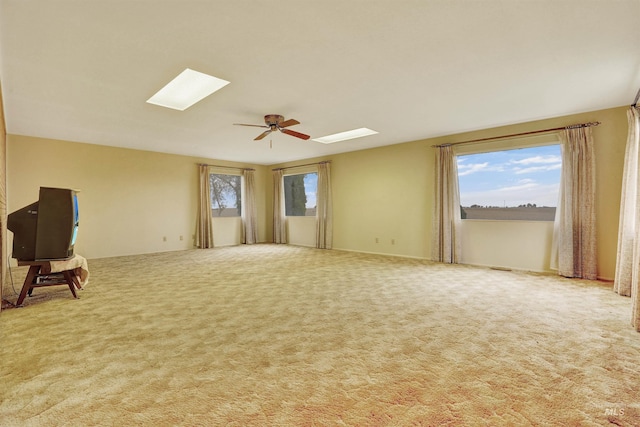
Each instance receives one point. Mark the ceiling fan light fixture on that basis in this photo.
(343, 136)
(186, 89)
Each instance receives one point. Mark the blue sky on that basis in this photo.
(311, 187)
(510, 178)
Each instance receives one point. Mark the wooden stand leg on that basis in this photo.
(76, 279)
(28, 282)
(68, 276)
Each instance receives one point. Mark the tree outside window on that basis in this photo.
(226, 195)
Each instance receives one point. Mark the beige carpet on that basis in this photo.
(270, 335)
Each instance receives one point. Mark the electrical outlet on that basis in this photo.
(377, 240)
(393, 241)
(181, 238)
(164, 238)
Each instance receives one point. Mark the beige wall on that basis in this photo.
(387, 194)
(383, 193)
(382, 200)
(518, 245)
(130, 200)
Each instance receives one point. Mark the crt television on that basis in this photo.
(46, 229)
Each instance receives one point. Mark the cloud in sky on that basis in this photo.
(471, 168)
(532, 169)
(538, 160)
(524, 184)
(526, 181)
(468, 169)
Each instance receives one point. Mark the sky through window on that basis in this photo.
(511, 178)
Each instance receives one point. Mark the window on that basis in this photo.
(300, 194)
(226, 195)
(517, 184)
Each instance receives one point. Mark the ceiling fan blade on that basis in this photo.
(288, 123)
(294, 133)
(256, 126)
(262, 135)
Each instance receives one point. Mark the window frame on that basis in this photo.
(300, 171)
(506, 145)
(237, 208)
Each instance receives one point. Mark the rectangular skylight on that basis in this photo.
(343, 136)
(186, 89)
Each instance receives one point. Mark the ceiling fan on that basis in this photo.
(275, 122)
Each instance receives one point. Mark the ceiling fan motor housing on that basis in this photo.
(273, 119)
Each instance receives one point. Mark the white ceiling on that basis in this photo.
(82, 70)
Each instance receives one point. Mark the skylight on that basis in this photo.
(186, 89)
(343, 136)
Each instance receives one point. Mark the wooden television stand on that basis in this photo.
(42, 270)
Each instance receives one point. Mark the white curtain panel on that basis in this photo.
(627, 231)
(324, 214)
(635, 274)
(627, 279)
(279, 220)
(204, 234)
(575, 226)
(3, 197)
(249, 209)
(446, 244)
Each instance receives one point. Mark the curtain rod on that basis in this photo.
(635, 101)
(299, 166)
(581, 125)
(226, 167)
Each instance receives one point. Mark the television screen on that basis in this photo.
(76, 219)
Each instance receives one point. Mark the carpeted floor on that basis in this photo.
(276, 335)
